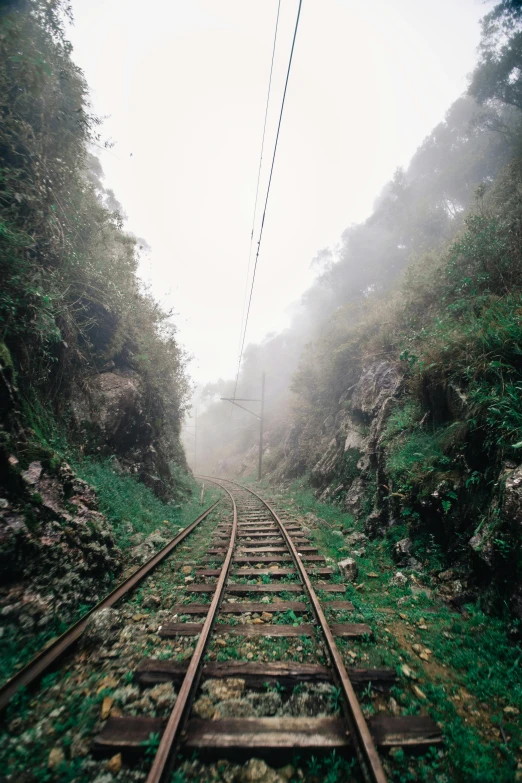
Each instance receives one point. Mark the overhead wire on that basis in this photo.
(269, 180)
(257, 189)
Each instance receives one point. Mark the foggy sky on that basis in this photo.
(182, 84)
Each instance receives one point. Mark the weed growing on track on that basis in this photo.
(471, 682)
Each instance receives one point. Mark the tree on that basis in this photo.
(498, 75)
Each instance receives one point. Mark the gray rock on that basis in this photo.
(127, 694)
(102, 628)
(355, 496)
(257, 771)
(33, 473)
(447, 576)
(483, 547)
(355, 538)
(235, 708)
(399, 579)
(151, 602)
(316, 701)
(402, 548)
(379, 381)
(266, 704)
(348, 568)
(374, 524)
(512, 501)
(163, 695)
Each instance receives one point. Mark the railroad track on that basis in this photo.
(259, 544)
(53, 651)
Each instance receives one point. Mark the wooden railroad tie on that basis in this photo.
(240, 608)
(270, 588)
(347, 630)
(322, 572)
(268, 734)
(255, 675)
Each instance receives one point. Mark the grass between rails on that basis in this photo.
(472, 680)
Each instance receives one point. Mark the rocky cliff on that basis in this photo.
(110, 416)
(448, 515)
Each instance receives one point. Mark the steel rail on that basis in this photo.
(44, 659)
(363, 740)
(164, 760)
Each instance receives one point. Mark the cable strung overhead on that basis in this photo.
(257, 190)
(271, 173)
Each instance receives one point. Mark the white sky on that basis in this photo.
(182, 84)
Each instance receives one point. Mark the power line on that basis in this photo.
(269, 181)
(257, 187)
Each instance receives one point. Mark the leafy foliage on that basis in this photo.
(70, 300)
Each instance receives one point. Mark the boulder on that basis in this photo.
(355, 539)
(151, 602)
(102, 628)
(348, 568)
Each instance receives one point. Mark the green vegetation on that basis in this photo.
(71, 305)
(472, 681)
(132, 507)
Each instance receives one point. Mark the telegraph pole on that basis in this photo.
(261, 420)
(196, 441)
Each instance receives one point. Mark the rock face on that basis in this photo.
(111, 409)
(351, 452)
(512, 506)
(57, 551)
(379, 381)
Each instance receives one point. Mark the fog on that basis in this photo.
(182, 89)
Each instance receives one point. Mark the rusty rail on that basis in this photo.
(364, 744)
(44, 659)
(164, 759)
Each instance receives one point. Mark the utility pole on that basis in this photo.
(196, 442)
(261, 420)
(195, 433)
(236, 401)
